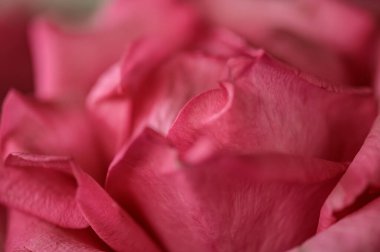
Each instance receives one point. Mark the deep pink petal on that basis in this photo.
(28, 233)
(229, 203)
(269, 107)
(44, 128)
(43, 188)
(359, 231)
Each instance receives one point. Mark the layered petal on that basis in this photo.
(263, 106)
(158, 93)
(45, 128)
(359, 231)
(43, 188)
(92, 204)
(229, 202)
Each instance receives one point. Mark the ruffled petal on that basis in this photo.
(227, 203)
(269, 107)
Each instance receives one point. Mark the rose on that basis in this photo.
(192, 141)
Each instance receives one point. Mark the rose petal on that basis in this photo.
(109, 221)
(43, 128)
(42, 188)
(229, 203)
(273, 108)
(357, 232)
(122, 113)
(105, 217)
(27, 233)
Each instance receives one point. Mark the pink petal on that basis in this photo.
(105, 217)
(123, 112)
(43, 188)
(109, 221)
(359, 231)
(44, 128)
(270, 107)
(27, 233)
(227, 203)
(332, 39)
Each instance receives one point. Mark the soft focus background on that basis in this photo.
(15, 15)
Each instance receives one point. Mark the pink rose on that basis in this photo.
(155, 127)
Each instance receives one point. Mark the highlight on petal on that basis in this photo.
(28, 233)
(358, 231)
(228, 202)
(92, 204)
(41, 187)
(269, 107)
(332, 39)
(45, 128)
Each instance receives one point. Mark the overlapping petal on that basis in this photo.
(141, 91)
(83, 200)
(264, 106)
(229, 202)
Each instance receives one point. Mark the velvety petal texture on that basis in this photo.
(225, 203)
(28, 233)
(263, 106)
(41, 187)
